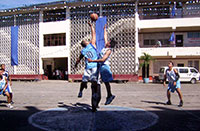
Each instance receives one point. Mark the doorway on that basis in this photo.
(179, 40)
(56, 68)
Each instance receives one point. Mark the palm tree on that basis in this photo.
(146, 61)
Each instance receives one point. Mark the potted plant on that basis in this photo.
(146, 58)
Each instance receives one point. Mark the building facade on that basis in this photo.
(49, 35)
(165, 19)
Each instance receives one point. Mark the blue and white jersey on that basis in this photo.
(103, 52)
(6, 74)
(171, 76)
(90, 52)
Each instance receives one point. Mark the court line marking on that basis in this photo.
(92, 123)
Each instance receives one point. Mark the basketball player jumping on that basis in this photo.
(90, 72)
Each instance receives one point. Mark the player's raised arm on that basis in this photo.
(105, 34)
(93, 40)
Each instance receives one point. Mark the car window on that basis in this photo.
(162, 70)
(193, 71)
(183, 70)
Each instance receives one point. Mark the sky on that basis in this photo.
(6, 4)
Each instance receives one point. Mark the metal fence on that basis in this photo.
(121, 27)
(28, 42)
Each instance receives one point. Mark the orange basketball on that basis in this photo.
(94, 16)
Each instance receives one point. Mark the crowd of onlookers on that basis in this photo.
(57, 74)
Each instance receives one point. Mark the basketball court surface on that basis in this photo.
(53, 105)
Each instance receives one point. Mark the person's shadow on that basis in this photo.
(154, 102)
(76, 107)
(3, 101)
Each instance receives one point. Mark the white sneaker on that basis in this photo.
(9, 106)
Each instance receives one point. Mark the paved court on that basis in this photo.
(53, 105)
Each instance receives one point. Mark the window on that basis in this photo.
(180, 65)
(193, 71)
(196, 64)
(183, 70)
(190, 63)
(152, 42)
(162, 70)
(54, 39)
(193, 34)
(146, 42)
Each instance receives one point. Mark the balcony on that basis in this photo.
(168, 9)
(169, 25)
(168, 52)
(157, 23)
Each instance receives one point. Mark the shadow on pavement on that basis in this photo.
(3, 101)
(176, 120)
(108, 119)
(76, 106)
(79, 117)
(154, 102)
(17, 120)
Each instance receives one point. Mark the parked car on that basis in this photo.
(187, 74)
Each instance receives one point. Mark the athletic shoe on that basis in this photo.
(12, 102)
(168, 102)
(9, 106)
(80, 94)
(109, 99)
(94, 109)
(180, 104)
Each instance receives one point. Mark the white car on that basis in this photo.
(187, 74)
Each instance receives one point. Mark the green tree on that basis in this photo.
(146, 58)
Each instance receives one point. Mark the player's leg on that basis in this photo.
(10, 92)
(106, 76)
(11, 97)
(99, 94)
(178, 90)
(85, 79)
(94, 98)
(9, 100)
(98, 87)
(108, 89)
(168, 97)
(96, 92)
(109, 97)
(82, 86)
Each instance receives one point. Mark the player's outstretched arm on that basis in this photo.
(78, 60)
(107, 54)
(164, 81)
(93, 40)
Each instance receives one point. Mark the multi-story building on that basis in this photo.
(160, 20)
(49, 35)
